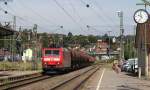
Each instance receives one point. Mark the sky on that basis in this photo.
(101, 15)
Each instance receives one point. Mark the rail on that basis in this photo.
(19, 81)
(85, 75)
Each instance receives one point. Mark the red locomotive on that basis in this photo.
(64, 59)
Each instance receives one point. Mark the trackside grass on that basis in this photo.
(20, 66)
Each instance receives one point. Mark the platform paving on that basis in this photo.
(107, 79)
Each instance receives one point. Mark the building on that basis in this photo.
(101, 46)
(142, 40)
(4, 31)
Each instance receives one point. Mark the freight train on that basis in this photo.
(62, 59)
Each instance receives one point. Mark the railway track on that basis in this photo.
(14, 82)
(75, 82)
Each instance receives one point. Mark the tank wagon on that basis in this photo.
(61, 59)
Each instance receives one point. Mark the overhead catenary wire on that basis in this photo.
(11, 14)
(36, 13)
(79, 20)
(75, 11)
(94, 11)
(9, 7)
(45, 20)
(108, 17)
(103, 11)
(26, 20)
(21, 18)
(14, 11)
(65, 11)
(102, 17)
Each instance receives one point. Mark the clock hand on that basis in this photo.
(140, 16)
(139, 20)
(140, 13)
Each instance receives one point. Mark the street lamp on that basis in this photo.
(109, 41)
(120, 15)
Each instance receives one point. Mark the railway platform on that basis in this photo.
(89, 78)
(107, 79)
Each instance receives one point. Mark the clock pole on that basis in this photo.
(145, 43)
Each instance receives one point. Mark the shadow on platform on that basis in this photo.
(125, 87)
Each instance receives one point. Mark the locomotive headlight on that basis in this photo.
(46, 59)
(56, 59)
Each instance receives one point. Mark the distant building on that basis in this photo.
(5, 31)
(27, 55)
(140, 45)
(101, 46)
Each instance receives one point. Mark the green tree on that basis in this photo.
(45, 40)
(70, 34)
(92, 39)
(129, 49)
(105, 38)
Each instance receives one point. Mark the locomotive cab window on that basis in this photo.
(51, 52)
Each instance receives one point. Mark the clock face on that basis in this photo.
(141, 16)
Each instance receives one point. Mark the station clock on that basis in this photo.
(141, 16)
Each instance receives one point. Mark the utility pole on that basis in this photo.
(14, 22)
(120, 14)
(14, 28)
(35, 57)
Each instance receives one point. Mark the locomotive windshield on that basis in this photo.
(51, 52)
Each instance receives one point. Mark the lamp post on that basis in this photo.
(120, 15)
(109, 42)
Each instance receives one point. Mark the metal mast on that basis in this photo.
(120, 14)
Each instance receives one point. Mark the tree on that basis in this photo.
(106, 38)
(82, 40)
(24, 35)
(70, 34)
(92, 39)
(45, 40)
(129, 49)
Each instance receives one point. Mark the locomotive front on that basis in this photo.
(51, 58)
